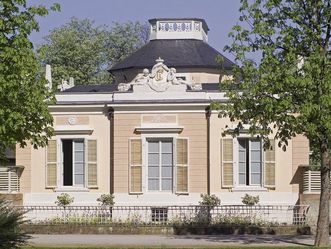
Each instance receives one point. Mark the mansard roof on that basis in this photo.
(178, 53)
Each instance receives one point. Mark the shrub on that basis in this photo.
(64, 200)
(250, 200)
(209, 200)
(11, 235)
(106, 200)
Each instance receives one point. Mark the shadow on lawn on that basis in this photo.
(301, 240)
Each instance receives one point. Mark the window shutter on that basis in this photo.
(51, 164)
(92, 166)
(227, 162)
(269, 166)
(135, 166)
(182, 165)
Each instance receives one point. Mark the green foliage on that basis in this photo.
(24, 98)
(126, 38)
(287, 92)
(276, 88)
(81, 50)
(106, 200)
(11, 235)
(209, 200)
(238, 220)
(64, 200)
(223, 220)
(79, 220)
(250, 200)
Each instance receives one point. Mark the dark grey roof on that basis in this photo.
(92, 88)
(178, 53)
(108, 88)
(210, 87)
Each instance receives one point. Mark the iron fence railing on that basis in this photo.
(167, 215)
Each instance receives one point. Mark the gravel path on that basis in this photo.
(170, 240)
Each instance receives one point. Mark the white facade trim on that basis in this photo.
(157, 112)
(75, 129)
(83, 97)
(66, 189)
(158, 129)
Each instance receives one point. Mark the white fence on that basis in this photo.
(312, 182)
(167, 215)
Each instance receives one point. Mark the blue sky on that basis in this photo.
(220, 15)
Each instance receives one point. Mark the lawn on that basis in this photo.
(159, 247)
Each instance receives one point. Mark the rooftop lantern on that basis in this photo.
(178, 28)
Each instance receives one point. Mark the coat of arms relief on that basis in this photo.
(159, 79)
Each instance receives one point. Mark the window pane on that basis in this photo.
(255, 167)
(79, 156)
(153, 159)
(256, 156)
(153, 171)
(166, 171)
(166, 147)
(242, 179)
(79, 179)
(153, 147)
(79, 145)
(242, 167)
(256, 178)
(79, 168)
(242, 144)
(153, 184)
(166, 184)
(255, 144)
(242, 156)
(167, 159)
(79, 162)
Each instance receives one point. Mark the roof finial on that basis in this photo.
(159, 60)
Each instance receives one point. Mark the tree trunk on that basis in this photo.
(322, 233)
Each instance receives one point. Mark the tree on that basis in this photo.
(24, 98)
(11, 234)
(81, 50)
(126, 38)
(290, 87)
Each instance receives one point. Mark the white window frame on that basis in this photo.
(249, 140)
(144, 141)
(160, 140)
(236, 185)
(60, 169)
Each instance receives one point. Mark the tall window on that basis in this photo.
(250, 161)
(160, 165)
(73, 162)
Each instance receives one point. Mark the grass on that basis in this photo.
(166, 247)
